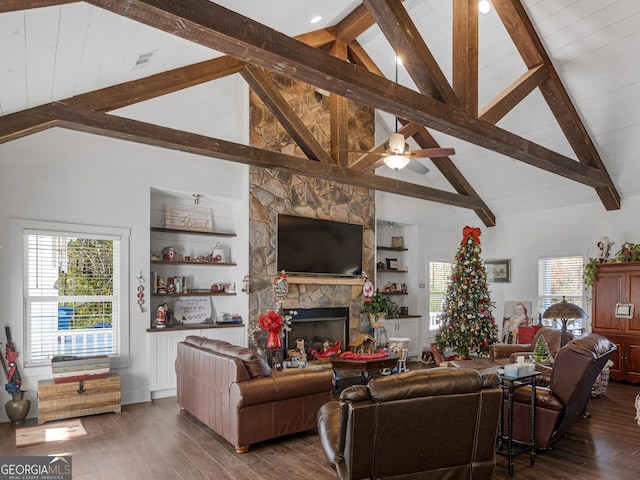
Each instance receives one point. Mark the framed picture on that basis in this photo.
(498, 271)
(397, 242)
(392, 263)
(624, 310)
(192, 310)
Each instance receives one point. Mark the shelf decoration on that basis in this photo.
(192, 310)
(196, 219)
(141, 291)
(624, 310)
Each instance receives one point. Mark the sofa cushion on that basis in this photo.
(254, 363)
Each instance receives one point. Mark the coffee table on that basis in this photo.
(365, 366)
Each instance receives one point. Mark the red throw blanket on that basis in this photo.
(364, 356)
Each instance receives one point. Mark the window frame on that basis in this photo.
(22, 228)
(433, 327)
(580, 325)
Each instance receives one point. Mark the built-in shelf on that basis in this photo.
(191, 232)
(382, 270)
(392, 249)
(394, 293)
(206, 294)
(177, 262)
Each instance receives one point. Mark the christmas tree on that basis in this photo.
(541, 352)
(467, 323)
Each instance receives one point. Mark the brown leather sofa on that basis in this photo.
(564, 391)
(434, 423)
(232, 390)
(503, 353)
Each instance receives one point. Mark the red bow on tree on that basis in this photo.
(470, 231)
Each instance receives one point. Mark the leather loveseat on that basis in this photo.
(233, 391)
(504, 353)
(563, 390)
(433, 424)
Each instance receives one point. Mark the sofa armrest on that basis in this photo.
(544, 398)
(281, 386)
(500, 352)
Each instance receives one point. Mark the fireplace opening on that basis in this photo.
(315, 325)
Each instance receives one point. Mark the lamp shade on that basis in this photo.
(564, 309)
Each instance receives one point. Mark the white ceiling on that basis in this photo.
(57, 52)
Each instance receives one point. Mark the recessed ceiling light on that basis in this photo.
(315, 19)
(484, 6)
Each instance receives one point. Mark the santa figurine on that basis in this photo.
(604, 245)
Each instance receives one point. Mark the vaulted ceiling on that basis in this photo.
(538, 99)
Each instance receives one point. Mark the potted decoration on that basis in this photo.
(378, 307)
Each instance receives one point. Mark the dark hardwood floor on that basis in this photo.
(155, 441)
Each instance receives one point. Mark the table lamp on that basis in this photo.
(564, 311)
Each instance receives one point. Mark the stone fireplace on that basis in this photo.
(281, 191)
(316, 325)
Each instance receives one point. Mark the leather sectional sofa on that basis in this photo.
(233, 391)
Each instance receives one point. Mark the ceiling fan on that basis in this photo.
(397, 154)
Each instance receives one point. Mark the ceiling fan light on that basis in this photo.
(396, 142)
(396, 161)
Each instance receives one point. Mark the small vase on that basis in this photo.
(17, 408)
(274, 340)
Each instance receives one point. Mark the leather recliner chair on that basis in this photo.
(562, 392)
(432, 423)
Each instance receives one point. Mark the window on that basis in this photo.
(73, 289)
(558, 277)
(439, 274)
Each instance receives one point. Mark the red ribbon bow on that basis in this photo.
(470, 231)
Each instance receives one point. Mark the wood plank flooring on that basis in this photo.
(155, 441)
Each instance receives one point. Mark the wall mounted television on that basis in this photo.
(318, 247)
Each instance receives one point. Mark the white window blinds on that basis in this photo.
(72, 295)
(560, 277)
(439, 275)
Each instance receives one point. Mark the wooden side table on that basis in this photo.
(508, 385)
(75, 399)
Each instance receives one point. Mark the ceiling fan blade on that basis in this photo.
(417, 167)
(365, 152)
(431, 152)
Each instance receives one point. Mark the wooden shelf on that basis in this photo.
(393, 293)
(209, 264)
(382, 270)
(207, 294)
(392, 249)
(191, 232)
(195, 326)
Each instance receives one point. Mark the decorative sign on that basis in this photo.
(195, 219)
(624, 310)
(192, 310)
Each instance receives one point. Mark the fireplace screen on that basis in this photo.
(315, 325)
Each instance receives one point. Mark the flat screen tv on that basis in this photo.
(319, 247)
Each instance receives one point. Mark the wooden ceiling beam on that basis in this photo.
(269, 93)
(354, 24)
(98, 123)
(358, 56)
(17, 5)
(21, 124)
(338, 113)
(406, 41)
(512, 95)
(216, 27)
(465, 54)
(454, 176)
(528, 43)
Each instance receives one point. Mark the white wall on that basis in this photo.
(64, 176)
(573, 230)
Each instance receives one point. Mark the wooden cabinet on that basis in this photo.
(619, 283)
(405, 327)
